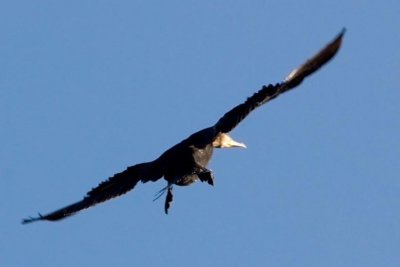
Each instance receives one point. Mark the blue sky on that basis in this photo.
(90, 87)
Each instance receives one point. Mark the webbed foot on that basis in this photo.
(206, 176)
(168, 199)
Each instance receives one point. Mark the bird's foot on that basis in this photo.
(206, 176)
(168, 199)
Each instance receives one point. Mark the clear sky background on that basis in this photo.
(88, 88)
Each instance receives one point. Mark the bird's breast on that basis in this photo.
(203, 156)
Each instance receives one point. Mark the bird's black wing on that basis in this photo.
(115, 186)
(233, 117)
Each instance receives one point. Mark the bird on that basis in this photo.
(186, 162)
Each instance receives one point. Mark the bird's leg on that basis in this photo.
(168, 199)
(205, 175)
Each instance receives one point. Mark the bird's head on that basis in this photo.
(225, 141)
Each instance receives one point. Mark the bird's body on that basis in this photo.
(186, 162)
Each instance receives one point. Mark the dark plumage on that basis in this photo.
(187, 161)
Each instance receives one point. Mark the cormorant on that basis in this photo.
(186, 162)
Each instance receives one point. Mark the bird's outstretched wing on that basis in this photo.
(115, 186)
(233, 117)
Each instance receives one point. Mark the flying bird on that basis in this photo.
(186, 162)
